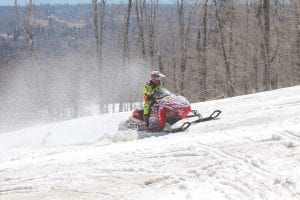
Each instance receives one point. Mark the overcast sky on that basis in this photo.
(22, 2)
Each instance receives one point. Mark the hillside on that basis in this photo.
(251, 152)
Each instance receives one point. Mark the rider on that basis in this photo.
(153, 85)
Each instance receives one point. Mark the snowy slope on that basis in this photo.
(251, 152)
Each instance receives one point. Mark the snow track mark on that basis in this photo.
(294, 136)
(246, 166)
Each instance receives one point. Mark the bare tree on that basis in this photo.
(202, 52)
(297, 15)
(263, 16)
(126, 56)
(173, 65)
(184, 34)
(140, 6)
(25, 23)
(251, 50)
(98, 22)
(151, 19)
(228, 82)
(125, 52)
(266, 33)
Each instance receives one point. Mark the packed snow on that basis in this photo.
(251, 152)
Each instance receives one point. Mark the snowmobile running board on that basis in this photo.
(186, 125)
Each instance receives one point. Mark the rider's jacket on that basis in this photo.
(149, 89)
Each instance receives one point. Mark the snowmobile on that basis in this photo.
(177, 113)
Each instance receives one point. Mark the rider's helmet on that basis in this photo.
(157, 76)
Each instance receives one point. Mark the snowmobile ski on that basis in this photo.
(186, 125)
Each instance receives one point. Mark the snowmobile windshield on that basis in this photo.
(161, 93)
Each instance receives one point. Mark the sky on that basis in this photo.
(11, 2)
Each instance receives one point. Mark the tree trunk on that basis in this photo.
(202, 54)
(126, 35)
(26, 24)
(174, 61)
(184, 31)
(140, 6)
(255, 65)
(298, 54)
(297, 15)
(125, 56)
(266, 33)
(160, 63)
(229, 88)
(232, 62)
(98, 31)
(151, 17)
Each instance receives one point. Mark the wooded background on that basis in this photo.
(59, 61)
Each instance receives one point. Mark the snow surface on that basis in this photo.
(251, 152)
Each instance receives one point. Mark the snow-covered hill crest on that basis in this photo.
(251, 152)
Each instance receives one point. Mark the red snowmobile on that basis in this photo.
(168, 109)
